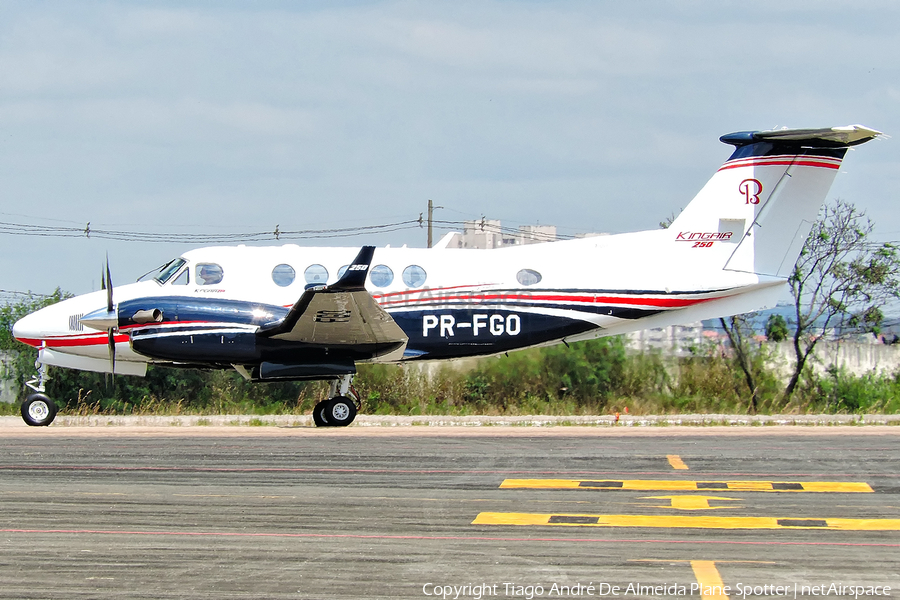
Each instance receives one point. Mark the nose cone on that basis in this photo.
(28, 330)
(101, 319)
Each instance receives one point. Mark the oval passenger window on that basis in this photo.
(316, 275)
(414, 276)
(528, 277)
(283, 275)
(381, 276)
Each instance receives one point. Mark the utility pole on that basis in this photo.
(430, 217)
(431, 208)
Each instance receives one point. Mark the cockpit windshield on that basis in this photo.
(165, 272)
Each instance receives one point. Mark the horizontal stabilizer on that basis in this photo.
(831, 137)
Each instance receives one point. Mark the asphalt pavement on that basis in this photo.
(424, 512)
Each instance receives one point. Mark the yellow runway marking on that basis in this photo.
(684, 521)
(676, 462)
(691, 502)
(711, 585)
(690, 486)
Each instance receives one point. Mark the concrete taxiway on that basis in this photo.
(296, 512)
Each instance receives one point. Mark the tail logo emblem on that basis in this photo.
(751, 189)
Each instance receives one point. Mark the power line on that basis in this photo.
(88, 231)
(17, 293)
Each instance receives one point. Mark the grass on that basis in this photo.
(595, 378)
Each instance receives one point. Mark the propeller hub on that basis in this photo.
(102, 319)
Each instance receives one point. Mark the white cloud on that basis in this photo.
(286, 111)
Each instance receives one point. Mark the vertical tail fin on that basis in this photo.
(764, 199)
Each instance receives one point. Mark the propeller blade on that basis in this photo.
(109, 287)
(112, 330)
(112, 353)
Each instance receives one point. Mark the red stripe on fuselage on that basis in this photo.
(63, 342)
(173, 323)
(655, 302)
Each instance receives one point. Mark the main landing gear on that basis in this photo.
(341, 407)
(38, 410)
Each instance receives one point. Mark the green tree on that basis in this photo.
(739, 330)
(841, 279)
(776, 328)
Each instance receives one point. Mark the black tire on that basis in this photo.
(320, 416)
(38, 410)
(340, 412)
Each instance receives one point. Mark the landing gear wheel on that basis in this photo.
(341, 411)
(38, 410)
(320, 413)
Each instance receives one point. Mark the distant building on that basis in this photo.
(483, 234)
(488, 233)
(675, 340)
(535, 234)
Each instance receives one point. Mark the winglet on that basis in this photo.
(354, 278)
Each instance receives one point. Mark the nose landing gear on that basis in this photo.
(38, 410)
(342, 406)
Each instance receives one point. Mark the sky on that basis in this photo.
(236, 117)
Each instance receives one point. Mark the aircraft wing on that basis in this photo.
(341, 316)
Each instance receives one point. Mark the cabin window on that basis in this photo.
(208, 274)
(283, 275)
(316, 275)
(342, 270)
(528, 277)
(381, 276)
(414, 276)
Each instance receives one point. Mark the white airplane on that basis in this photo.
(294, 313)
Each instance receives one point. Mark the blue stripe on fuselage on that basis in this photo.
(433, 333)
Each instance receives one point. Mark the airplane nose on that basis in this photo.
(27, 330)
(101, 319)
